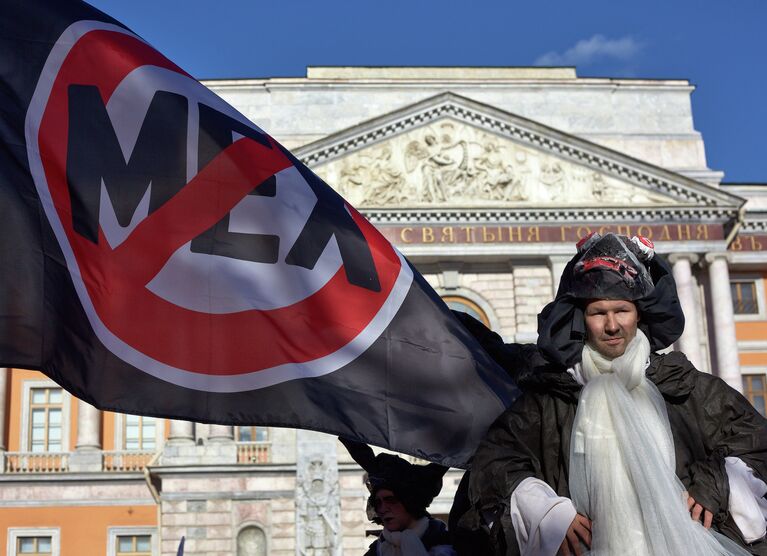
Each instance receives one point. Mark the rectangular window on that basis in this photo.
(744, 297)
(252, 434)
(253, 445)
(755, 389)
(139, 433)
(46, 426)
(133, 545)
(34, 546)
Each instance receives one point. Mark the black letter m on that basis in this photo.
(158, 159)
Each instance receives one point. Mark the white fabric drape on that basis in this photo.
(747, 504)
(622, 463)
(540, 517)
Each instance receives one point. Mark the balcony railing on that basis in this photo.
(35, 462)
(254, 452)
(126, 460)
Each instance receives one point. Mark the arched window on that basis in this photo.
(458, 303)
(251, 541)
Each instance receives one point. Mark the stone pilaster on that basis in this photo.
(557, 264)
(725, 339)
(689, 343)
(87, 455)
(318, 503)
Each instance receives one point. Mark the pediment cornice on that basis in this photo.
(667, 194)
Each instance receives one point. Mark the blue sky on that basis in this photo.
(719, 46)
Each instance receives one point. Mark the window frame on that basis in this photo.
(758, 281)
(114, 532)
(14, 533)
(237, 434)
(462, 300)
(754, 371)
(119, 436)
(25, 444)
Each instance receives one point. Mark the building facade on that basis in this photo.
(484, 178)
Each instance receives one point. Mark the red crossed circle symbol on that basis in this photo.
(143, 328)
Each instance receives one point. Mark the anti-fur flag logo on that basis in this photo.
(199, 270)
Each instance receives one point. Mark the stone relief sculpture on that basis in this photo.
(448, 163)
(317, 507)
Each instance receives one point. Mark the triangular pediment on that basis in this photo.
(452, 152)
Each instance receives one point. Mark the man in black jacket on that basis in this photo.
(613, 446)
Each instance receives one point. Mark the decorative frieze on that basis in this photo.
(453, 164)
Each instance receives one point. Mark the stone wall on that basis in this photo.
(209, 509)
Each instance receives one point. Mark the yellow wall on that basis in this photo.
(83, 529)
(753, 359)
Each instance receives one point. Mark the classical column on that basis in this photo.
(557, 265)
(87, 454)
(728, 364)
(221, 433)
(88, 427)
(3, 394)
(689, 342)
(181, 432)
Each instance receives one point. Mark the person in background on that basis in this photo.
(400, 493)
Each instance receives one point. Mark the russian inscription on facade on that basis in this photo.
(511, 234)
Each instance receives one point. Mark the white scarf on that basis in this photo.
(404, 543)
(622, 463)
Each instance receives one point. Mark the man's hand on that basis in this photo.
(579, 530)
(696, 511)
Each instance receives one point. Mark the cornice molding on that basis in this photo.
(556, 216)
(755, 222)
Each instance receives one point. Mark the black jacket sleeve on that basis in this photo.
(509, 453)
(731, 427)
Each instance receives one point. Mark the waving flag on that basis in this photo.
(164, 256)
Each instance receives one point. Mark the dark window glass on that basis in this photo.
(744, 301)
(754, 389)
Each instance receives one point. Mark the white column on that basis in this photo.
(88, 427)
(689, 342)
(728, 364)
(221, 433)
(557, 264)
(3, 394)
(181, 432)
(87, 455)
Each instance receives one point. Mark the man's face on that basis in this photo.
(391, 511)
(611, 325)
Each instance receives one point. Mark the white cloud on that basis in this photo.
(588, 50)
